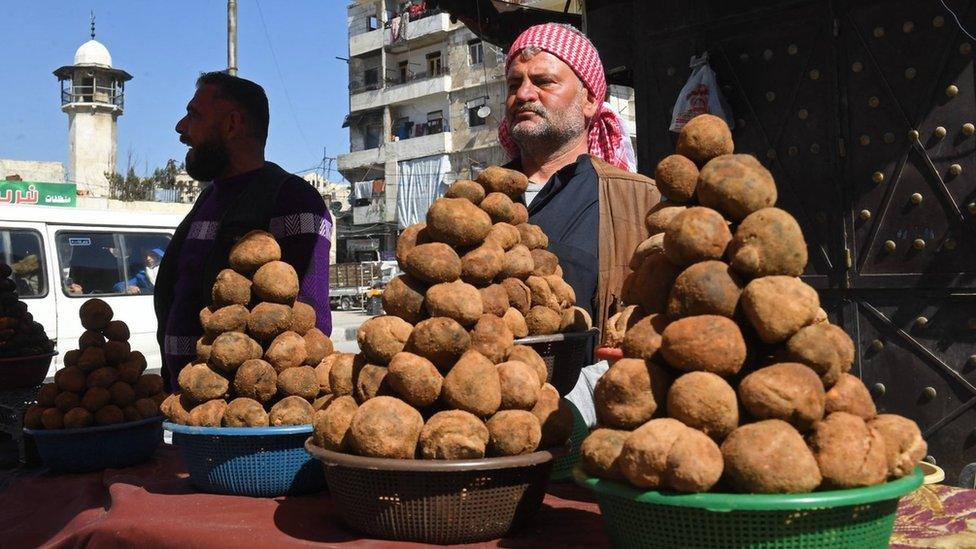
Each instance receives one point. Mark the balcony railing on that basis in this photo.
(93, 94)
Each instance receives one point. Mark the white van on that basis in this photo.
(63, 256)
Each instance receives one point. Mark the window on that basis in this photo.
(373, 23)
(22, 250)
(371, 78)
(402, 72)
(476, 52)
(373, 132)
(435, 122)
(473, 118)
(434, 63)
(96, 263)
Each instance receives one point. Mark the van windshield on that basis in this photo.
(107, 263)
(21, 249)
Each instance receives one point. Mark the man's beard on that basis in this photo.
(207, 160)
(552, 132)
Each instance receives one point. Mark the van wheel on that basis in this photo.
(345, 304)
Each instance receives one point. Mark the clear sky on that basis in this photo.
(164, 45)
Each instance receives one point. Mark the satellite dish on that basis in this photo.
(484, 111)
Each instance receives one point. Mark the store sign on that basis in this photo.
(367, 215)
(362, 245)
(38, 194)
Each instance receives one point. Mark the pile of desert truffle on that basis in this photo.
(20, 334)
(733, 377)
(102, 382)
(441, 377)
(256, 361)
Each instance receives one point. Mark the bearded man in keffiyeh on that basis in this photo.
(576, 153)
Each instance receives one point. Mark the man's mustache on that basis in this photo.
(531, 107)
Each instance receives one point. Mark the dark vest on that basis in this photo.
(251, 210)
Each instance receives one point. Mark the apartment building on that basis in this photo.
(425, 99)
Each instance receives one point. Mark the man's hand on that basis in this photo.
(132, 290)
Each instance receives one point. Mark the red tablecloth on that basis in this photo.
(154, 505)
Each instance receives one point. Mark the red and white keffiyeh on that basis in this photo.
(606, 138)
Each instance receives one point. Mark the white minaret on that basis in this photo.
(92, 95)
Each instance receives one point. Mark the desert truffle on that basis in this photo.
(200, 383)
(497, 179)
(825, 348)
(850, 395)
(317, 345)
(245, 412)
(231, 349)
(519, 295)
(116, 330)
(492, 338)
(256, 379)
(505, 235)
(292, 410)
(706, 402)
(703, 138)
(208, 414)
(788, 391)
(542, 320)
(78, 418)
(439, 340)
(95, 314)
(528, 355)
(277, 282)
(778, 306)
(331, 424)
(472, 385)
(555, 415)
(694, 463)
(411, 236)
(707, 343)
(500, 208)
(517, 262)
(465, 188)
(769, 457)
(298, 381)
(696, 234)
(109, 415)
(230, 318)
(904, 446)
(175, 407)
(481, 265)
(453, 434)
(381, 337)
(736, 185)
(516, 322)
(658, 218)
(519, 385)
(494, 300)
(369, 381)
(404, 297)
(532, 236)
(513, 432)
(629, 393)
(230, 288)
(457, 222)
(253, 250)
(768, 242)
(433, 263)
(600, 453)
(706, 288)
(676, 177)
(643, 339)
(455, 300)
(341, 373)
(849, 453)
(385, 427)
(286, 351)
(415, 379)
(644, 456)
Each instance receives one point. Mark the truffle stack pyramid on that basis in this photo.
(102, 382)
(255, 364)
(19, 334)
(733, 379)
(440, 376)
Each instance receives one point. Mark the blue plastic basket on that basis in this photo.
(249, 461)
(96, 448)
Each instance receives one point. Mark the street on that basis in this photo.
(344, 327)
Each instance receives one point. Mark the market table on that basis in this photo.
(154, 505)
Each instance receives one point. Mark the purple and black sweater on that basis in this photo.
(303, 227)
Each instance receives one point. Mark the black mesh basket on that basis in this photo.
(427, 501)
(565, 355)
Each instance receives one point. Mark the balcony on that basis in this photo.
(416, 147)
(366, 42)
(431, 27)
(416, 86)
(359, 159)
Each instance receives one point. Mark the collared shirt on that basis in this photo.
(300, 223)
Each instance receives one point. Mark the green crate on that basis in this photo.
(562, 467)
(856, 518)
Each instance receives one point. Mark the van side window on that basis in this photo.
(23, 251)
(94, 263)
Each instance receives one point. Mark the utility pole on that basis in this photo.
(232, 37)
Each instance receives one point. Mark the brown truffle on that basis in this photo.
(94, 399)
(541, 292)
(201, 383)
(703, 138)
(385, 427)
(850, 395)
(600, 453)
(494, 300)
(659, 218)
(904, 446)
(555, 416)
(696, 234)
(230, 288)
(256, 379)
(317, 345)
(91, 338)
(694, 463)
(176, 409)
(71, 357)
(707, 343)
(231, 349)
(277, 282)
(629, 393)
(244, 412)
(651, 284)
(481, 265)
(122, 394)
(204, 347)
(500, 208)
(292, 410)
(231, 318)
(676, 177)
(66, 401)
(95, 314)
(109, 415)
(521, 214)
(643, 339)
(381, 337)
(146, 408)
(433, 263)
(532, 236)
(331, 424)
(116, 352)
(778, 306)
(341, 374)
(492, 338)
(543, 321)
(102, 377)
(706, 288)
(505, 235)
(298, 381)
(769, 457)
(208, 414)
(91, 359)
(46, 395)
(573, 319)
(472, 385)
(302, 318)
(32, 416)
(369, 381)
(825, 348)
(253, 250)
(116, 330)
(528, 355)
(768, 242)
(440, 340)
(517, 263)
(52, 418)
(457, 222)
(736, 185)
(513, 433)
(467, 189)
(706, 402)
(788, 391)
(404, 298)
(456, 300)
(497, 179)
(267, 321)
(415, 379)
(410, 237)
(644, 456)
(453, 434)
(519, 385)
(652, 245)
(286, 351)
(849, 453)
(519, 295)
(78, 418)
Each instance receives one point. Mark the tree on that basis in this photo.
(131, 187)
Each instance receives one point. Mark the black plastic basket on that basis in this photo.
(565, 355)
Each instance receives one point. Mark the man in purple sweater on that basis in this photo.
(226, 127)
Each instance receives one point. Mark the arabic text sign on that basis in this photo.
(36, 193)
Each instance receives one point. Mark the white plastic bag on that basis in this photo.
(700, 95)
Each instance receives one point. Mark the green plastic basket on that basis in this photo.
(857, 518)
(562, 467)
